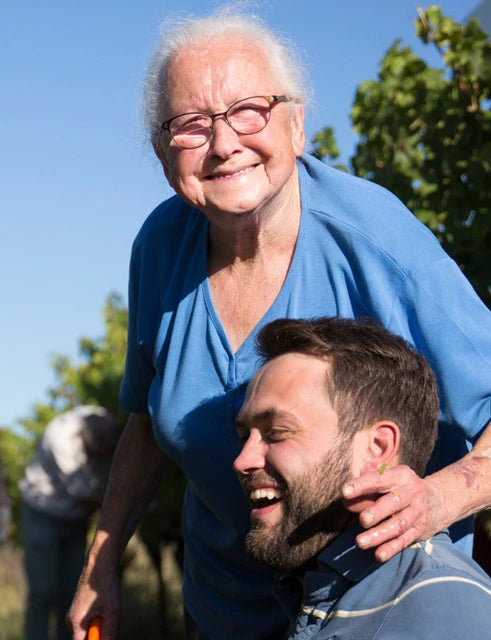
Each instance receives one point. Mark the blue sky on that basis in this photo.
(76, 179)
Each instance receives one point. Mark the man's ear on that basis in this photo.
(160, 153)
(381, 446)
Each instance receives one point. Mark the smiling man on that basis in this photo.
(336, 399)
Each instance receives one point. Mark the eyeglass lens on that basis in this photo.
(247, 116)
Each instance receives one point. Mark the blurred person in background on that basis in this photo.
(62, 487)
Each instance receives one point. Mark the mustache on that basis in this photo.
(251, 481)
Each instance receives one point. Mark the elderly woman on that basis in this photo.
(258, 231)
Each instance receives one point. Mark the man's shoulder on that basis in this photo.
(429, 585)
(444, 589)
(427, 569)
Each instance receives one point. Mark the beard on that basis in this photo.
(313, 515)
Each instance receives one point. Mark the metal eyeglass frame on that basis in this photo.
(272, 100)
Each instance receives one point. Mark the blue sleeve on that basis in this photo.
(139, 370)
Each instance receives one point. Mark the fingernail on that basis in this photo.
(347, 490)
(367, 517)
(382, 555)
(363, 541)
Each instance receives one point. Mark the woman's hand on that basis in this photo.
(396, 507)
(136, 473)
(97, 596)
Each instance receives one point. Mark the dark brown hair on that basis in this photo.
(375, 375)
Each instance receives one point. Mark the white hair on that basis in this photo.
(283, 57)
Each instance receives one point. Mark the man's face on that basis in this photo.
(232, 173)
(293, 463)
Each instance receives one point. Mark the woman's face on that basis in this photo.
(231, 174)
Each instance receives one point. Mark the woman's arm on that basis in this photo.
(408, 508)
(136, 473)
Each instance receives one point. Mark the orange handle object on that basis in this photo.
(95, 629)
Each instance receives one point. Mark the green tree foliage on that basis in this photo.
(97, 378)
(15, 452)
(424, 133)
(324, 146)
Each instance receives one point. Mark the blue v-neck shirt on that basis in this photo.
(359, 252)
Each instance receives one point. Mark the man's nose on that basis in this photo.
(253, 455)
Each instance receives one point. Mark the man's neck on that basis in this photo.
(313, 563)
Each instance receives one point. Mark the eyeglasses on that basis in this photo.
(247, 116)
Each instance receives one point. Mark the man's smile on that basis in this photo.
(262, 493)
(269, 494)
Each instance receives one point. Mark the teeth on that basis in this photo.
(270, 494)
(230, 175)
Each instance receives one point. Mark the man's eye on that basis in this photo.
(275, 435)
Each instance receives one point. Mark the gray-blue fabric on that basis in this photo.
(430, 590)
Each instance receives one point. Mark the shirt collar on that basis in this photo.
(346, 558)
(342, 558)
